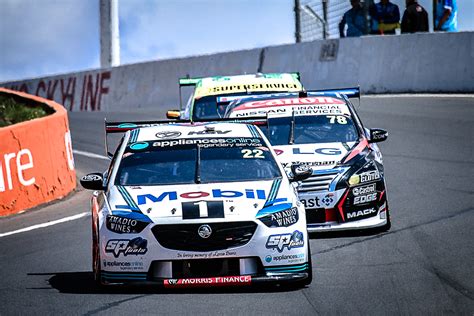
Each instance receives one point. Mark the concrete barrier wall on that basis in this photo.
(36, 161)
(440, 62)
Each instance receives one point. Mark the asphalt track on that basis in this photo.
(423, 265)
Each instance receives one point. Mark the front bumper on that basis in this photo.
(109, 278)
(332, 226)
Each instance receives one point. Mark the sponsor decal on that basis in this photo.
(204, 231)
(215, 193)
(200, 255)
(136, 246)
(209, 132)
(328, 199)
(123, 225)
(282, 218)
(167, 134)
(123, 265)
(366, 212)
(253, 87)
(309, 163)
(203, 209)
(369, 176)
(288, 241)
(139, 146)
(321, 151)
(278, 151)
(91, 177)
(227, 280)
(211, 142)
(365, 198)
(287, 258)
(22, 164)
(311, 202)
(364, 189)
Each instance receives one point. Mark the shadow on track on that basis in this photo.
(83, 283)
(347, 234)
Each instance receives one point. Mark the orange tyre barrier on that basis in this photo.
(36, 161)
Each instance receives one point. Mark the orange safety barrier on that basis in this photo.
(36, 160)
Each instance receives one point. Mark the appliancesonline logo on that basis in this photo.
(216, 193)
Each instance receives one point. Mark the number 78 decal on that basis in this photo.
(203, 209)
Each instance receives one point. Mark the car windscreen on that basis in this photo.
(310, 129)
(224, 160)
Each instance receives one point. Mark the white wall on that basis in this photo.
(442, 62)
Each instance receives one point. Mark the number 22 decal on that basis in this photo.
(252, 153)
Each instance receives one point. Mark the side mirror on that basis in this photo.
(173, 114)
(93, 181)
(377, 135)
(300, 172)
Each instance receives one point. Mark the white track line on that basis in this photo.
(58, 221)
(88, 154)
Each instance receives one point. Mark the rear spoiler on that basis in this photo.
(122, 127)
(348, 92)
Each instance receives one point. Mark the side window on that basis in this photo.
(112, 163)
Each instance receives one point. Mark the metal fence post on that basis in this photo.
(297, 21)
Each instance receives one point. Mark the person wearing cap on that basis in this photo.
(385, 17)
(415, 18)
(446, 19)
(355, 20)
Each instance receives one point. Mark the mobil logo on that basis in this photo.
(215, 193)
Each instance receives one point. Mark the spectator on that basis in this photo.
(446, 16)
(355, 20)
(385, 17)
(415, 18)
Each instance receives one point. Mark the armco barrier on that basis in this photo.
(36, 161)
(422, 62)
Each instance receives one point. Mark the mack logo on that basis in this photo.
(321, 151)
(361, 213)
(282, 241)
(209, 132)
(216, 193)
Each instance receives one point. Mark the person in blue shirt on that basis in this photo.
(446, 16)
(385, 17)
(355, 20)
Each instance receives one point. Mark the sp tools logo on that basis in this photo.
(136, 246)
(282, 241)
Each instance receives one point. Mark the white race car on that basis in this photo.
(188, 205)
(322, 130)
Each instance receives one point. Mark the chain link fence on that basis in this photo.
(319, 19)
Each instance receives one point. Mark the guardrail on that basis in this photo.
(36, 160)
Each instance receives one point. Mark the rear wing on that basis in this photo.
(348, 92)
(123, 127)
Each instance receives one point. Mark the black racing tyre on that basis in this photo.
(388, 225)
(96, 255)
(309, 279)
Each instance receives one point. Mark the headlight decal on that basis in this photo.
(358, 149)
